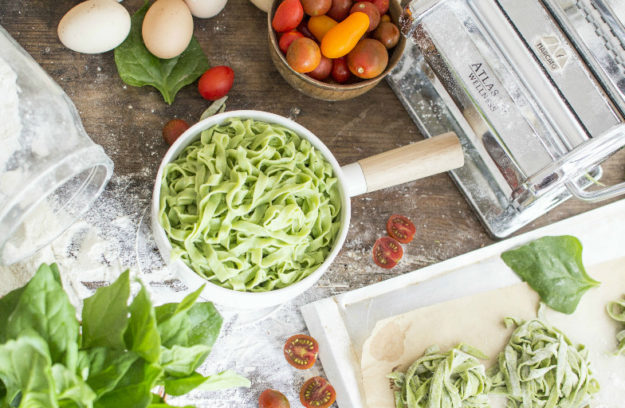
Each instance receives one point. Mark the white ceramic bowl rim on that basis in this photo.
(231, 297)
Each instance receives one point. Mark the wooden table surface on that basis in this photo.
(127, 122)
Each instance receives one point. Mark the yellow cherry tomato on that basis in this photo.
(344, 36)
(320, 25)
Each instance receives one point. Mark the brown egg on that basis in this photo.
(167, 28)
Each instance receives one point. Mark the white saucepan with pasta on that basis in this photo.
(255, 207)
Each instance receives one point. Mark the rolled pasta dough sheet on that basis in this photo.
(477, 320)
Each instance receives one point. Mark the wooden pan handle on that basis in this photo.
(430, 156)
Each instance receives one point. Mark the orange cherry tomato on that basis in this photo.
(303, 55)
(301, 351)
(317, 393)
(287, 38)
(344, 36)
(387, 252)
(320, 25)
(400, 228)
(368, 59)
(288, 16)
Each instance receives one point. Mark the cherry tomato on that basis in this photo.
(387, 34)
(368, 59)
(344, 36)
(370, 10)
(303, 28)
(381, 5)
(173, 129)
(340, 70)
(319, 26)
(317, 393)
(273, 399)
(400, 228)
(288, 16)
(387, 252)
(339, 9)
(316, 7)
(301, 351)
(303, 55)
(287, 38)
(386, 18)
(216, 82)
(323, 70)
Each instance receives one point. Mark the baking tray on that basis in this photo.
(342, 323)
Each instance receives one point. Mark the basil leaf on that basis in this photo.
(138, 67)
(107, 367)
(225, 379)
(134, 389)
(25, 370)
(105, 315)
(43, 306)
(142, 335)
(183, 361)
(553, 267)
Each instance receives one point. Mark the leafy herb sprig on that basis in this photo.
(115, 358)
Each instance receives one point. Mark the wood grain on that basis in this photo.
(127, 122)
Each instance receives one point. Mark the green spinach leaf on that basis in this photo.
(70, 389)
(105, 315)
(134, 389)
(45, 308)
(553, 267)
(107, 367)
(183, 361)
(225, 379)
(138, 67)
(142, 335)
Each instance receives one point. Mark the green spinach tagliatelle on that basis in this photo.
(616, 310)
(250, 206)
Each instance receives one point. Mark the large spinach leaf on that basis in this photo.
(138, 67)
(142, 335)
(181, 361)
(107, 367)
(553, 267)
(134, 389)
(225, 379)
(105, 315)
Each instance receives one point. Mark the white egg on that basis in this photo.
(94, 26)
(206, 8)
(264, 5)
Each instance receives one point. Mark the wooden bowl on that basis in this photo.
(330, 91)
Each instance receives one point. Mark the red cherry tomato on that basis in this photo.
(303, 55)
(303, 28)
(387, 33)
(370, 10)
(340, 70)
(387, 252)
(316, 7)
(317, 393)
(173, 129)
(216, 82)
(301, 351)
(288, 16)
(339, 9)
(287, 38)
(400, 228)
(381, 5)
(323, 70)
(273, 399)
(368, 59)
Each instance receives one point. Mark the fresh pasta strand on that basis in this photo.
(250, 206)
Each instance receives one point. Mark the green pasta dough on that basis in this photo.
(616, 310)
(250, 206)
(455, 379)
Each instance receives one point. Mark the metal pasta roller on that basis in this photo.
(535, 89)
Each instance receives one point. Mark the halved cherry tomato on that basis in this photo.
(273, 399)
(323, 69)
(288, 16)
(400, 228)
(287, 38)
(370, 10)
(344, 36)
(387, 252)
(317, 393)
(173, 129)
(303, 55)
(216, 82)
(340, 70)
(368, 59)
(339, 9)
(320, 25)
(316, 7)
(301, 351)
